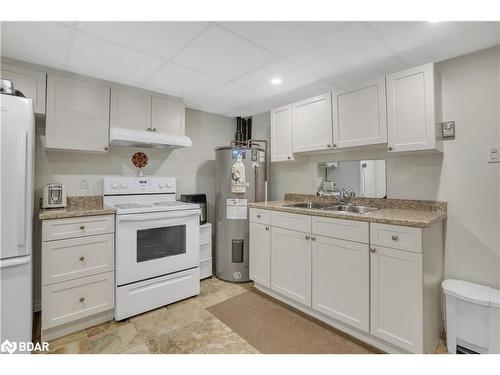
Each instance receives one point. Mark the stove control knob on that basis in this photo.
(124, 186)
(114, 186)
(161, 186)
(169, 185)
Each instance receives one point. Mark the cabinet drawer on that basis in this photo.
(301, 223)
(76, 257)
(260, 216)
(206, 251)
(59, 229)
(342, 229)
(396, 237)
(76, 299)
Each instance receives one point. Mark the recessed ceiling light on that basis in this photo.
(276, 81)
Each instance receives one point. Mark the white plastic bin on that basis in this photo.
(472, 317)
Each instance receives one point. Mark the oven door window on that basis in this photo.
(162, 242)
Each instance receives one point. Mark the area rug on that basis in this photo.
(275, 328)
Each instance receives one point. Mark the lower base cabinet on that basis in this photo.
(260, 254)
(340, 280)
(291, 264)
(396, 297)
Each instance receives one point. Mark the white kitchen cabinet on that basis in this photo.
(414, 109)
(340, 280)
(130, 109)
(291, 264)
(77, 115)
(30, 82)
(312, 124)
(168, 115)
(281, 134)
(260, 254)
(359, 115)
(396, 297)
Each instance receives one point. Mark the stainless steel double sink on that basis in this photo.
(333, 207)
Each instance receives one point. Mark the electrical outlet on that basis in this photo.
(494, 154)
(84, 183)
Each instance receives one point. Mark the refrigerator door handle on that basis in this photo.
(22, 194)
(12, 262)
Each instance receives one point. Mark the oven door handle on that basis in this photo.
(157, 216)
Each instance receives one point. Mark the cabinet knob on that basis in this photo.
(267, 228)
(82, 299)
(154, 129)
(258, 216)
(395, 238)
(82, 227)
(81, 259)
(289, 157)
(328, 145)
(106, 148)
(372, 249)
(334, 145)
(313, 238)
(308, 237)
(389, 148)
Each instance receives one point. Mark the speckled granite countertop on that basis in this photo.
(413, 213)
(78, 207)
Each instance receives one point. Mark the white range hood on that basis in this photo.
(147, 139)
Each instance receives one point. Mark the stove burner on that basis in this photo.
(125, 206)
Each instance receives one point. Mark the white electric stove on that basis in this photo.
(157, 243)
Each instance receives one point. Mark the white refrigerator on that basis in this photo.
(16, 220)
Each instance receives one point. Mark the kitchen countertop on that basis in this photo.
(78, 207)
(413, 214)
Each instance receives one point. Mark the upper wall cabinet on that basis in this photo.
(168, 115)
(359, 115)
(312, 124)
(414, 109)
(77, 115)
(130, 109)
(281, 133)
(31, 83)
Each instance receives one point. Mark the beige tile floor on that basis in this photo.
(182, 327)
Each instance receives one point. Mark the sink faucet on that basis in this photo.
(341, 195)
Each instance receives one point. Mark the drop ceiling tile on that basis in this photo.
(264, 105)
(45, 43)
(404, 36)
(367, 72)
(313, 89)
(484, 36)
(209, 105)
(161, 39)
(292, 76)
(234, 95)
(183, 80)
(353, 45)
(280, 37)
(220, 53)
(107, 60)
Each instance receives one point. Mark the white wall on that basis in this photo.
(460, 176)
(193, 167)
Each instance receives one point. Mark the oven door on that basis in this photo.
(155, 244)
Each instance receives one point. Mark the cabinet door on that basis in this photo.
(411, 117)
(396, 297)
(281, 133)
(312, 124)
(340, 280)
(30, 82)
(359, 115)
(291, 264)
(130, 110)
(168, 116)
(260, 254)
(77, 115)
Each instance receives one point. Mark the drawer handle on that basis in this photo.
(313, 238)
(258, 216)
(395, 238)
(82, 227)
(82, 299)
(267, 228)
(308, 237)
(372, 249)
(81, 259)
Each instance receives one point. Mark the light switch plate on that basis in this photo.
(448, 130)
(84, 183)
